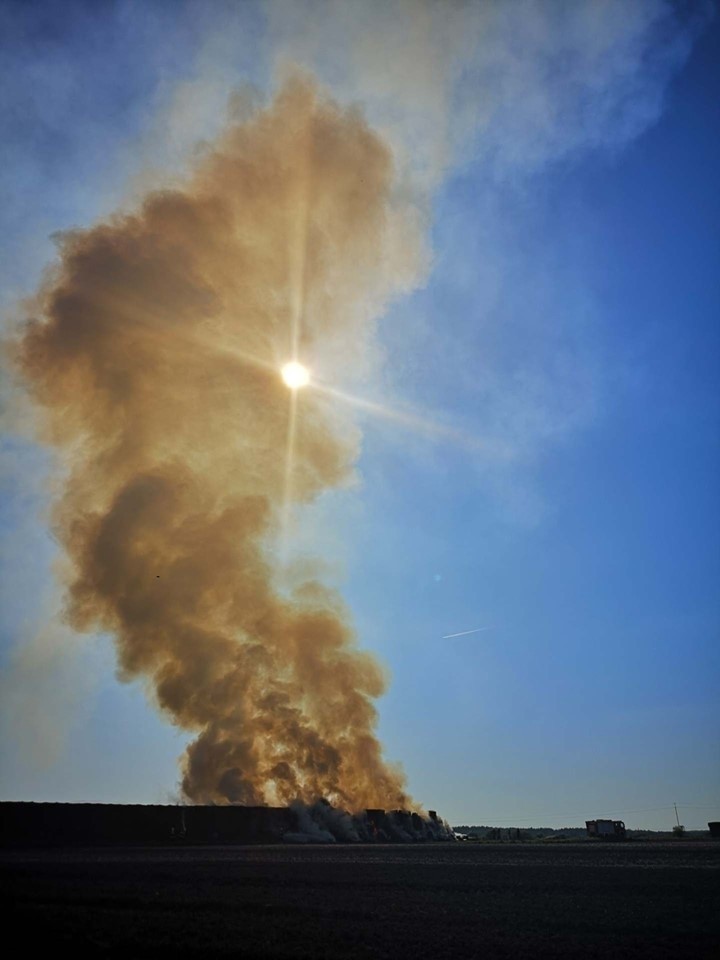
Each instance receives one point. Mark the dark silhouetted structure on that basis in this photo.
(77, 824)
(606, 829)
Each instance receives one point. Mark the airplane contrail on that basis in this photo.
(464, 633)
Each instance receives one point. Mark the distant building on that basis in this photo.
(606, 829)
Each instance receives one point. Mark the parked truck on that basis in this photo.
(606, 829)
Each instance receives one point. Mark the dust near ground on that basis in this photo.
(635, 900)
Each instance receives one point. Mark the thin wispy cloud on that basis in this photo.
(465, 633)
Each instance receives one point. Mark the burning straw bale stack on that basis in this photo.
(72, 824)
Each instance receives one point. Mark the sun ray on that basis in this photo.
(293, 373)
(419, 424)
(288, 479)
(153, 327)
(299, 204)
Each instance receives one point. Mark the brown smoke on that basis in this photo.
(155, 362)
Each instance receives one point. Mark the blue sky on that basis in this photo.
(565, 166)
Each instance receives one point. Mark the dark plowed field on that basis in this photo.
(649, 900)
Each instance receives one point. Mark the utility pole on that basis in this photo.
(679, 830)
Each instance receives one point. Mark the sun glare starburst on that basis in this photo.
(295, 375)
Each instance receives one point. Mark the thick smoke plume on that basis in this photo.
(154, 358)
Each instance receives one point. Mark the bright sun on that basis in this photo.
(295, 375)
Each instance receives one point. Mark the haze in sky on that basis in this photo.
(474, 561)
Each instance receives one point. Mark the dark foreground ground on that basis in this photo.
(634, 900)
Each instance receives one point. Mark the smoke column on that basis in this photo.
(154, 362)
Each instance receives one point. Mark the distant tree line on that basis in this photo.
(483, 832)
(518, 833)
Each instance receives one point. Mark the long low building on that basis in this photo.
(58, 824)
